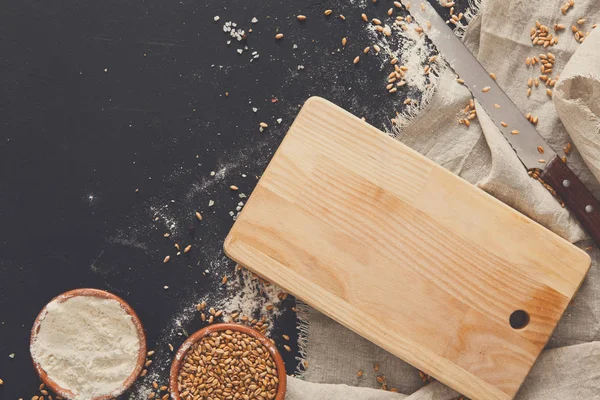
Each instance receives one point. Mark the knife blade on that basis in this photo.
(518, 131)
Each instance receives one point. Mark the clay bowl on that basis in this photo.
(67, 394)
(180, 356)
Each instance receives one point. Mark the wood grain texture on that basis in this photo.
(575, 195)
(406, 254)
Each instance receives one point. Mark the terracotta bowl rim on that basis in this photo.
(181, 352)
(65, 393)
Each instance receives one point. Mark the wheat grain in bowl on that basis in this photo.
(228, 361)
(88, 344)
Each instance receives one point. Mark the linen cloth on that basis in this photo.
(498, 36)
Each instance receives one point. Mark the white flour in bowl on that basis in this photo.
(87, 345)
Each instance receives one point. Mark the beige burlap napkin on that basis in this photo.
(499, 37)
(564, 373)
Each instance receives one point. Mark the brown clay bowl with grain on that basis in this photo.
(141, 360)
(181, 353)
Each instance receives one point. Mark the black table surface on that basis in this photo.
(102, 98)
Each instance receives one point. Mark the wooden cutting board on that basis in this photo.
(406, 254)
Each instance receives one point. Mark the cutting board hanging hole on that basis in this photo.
(519, 319)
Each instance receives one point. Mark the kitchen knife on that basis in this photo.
(531, 148)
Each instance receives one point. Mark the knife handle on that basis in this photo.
(575, 195)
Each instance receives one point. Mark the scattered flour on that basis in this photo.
(412, 50)
(413, 55)
(250, 296)
(162, 213)
(87, 345)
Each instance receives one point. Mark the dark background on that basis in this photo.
(102, 98)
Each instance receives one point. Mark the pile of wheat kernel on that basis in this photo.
(228, 365)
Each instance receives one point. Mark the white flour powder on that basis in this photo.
(87, 345)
